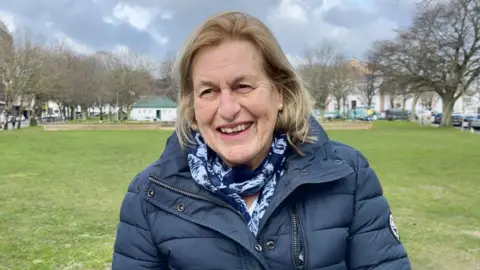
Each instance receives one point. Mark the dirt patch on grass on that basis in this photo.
(437, 192)
(475, 233)
(347, 125)
(64, 127)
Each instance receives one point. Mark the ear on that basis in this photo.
(194, 124)
(280, 99)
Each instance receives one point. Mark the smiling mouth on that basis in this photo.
(234, 130)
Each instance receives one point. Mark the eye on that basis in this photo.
(206, 92)
(243, 86)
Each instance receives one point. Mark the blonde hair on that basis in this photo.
(228, 26)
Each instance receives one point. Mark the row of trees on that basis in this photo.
(437, 56)
(33, 73)
(331, 77)
(439, 53)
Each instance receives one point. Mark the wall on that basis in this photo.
(146, 114)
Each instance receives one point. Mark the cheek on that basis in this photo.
(203, 112)
(265, 112)
(265, 106)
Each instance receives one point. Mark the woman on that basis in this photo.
(250, 180)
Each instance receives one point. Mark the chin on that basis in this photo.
(237, 156)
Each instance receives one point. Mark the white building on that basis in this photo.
(381, 102)
(156, 108)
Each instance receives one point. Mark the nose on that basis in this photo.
(228, 108)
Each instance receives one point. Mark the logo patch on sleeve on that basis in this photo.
(393, 228)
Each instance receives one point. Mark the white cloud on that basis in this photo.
(160, 39)
(295, 60)
(136, 16)
(120, 49)
(72, 44)
(290, 10)
(140, 18)
(8, 19)
(109, 20)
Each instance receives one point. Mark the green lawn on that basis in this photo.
(61, 192)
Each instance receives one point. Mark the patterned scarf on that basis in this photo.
(231, 184)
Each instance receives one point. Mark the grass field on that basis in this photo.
(61, 192)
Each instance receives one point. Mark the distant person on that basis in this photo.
(250, 180)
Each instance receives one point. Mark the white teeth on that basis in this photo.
(238, 128)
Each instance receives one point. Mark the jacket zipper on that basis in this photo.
(298, 241)
(195, 196)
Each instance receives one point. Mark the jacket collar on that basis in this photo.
(173, 161)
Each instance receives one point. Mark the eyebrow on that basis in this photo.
(237, 79)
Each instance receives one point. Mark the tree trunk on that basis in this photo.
(20, 114)
(369, 101)
(84, 112)
(73, 112)
(64, 112)
(322, 113)
(36, 111)
(416, 97)
(392, 102)
(448, 101)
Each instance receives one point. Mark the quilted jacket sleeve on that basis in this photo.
(134, 247)
(374, 242)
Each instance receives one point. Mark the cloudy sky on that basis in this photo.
(158, 27)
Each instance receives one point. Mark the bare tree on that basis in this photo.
(129, 80)
(105, 94)
(20, 74)
(167, 85)
(61, 91)
(428, 99)
(439, 51)
(85, 83)
(369, 80)
(316, 71)
(343, 80)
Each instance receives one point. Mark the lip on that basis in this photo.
(236, 138)
(234, 125)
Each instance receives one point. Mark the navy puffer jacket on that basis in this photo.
(328, 213)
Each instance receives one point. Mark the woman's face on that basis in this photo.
(236, 105)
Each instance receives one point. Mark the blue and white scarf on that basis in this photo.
(231, 184)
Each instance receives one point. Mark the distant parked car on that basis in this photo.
(475, 123)
(396, 114)
(333, 115)
(437, 118)
(467, 119)
(457, 120)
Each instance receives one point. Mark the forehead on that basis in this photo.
(226, 60)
